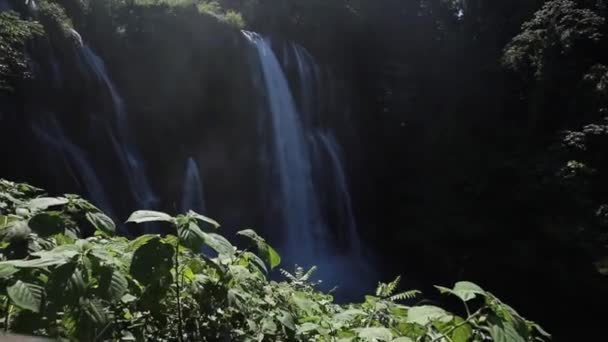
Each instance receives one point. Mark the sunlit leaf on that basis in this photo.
(142, 216)
(375, 334)
(101, 222)
(426, 314)
(44, 203)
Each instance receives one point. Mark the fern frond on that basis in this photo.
(392, 286)
(308, 274)
(288, 275)
(380, 289)
(404, 295)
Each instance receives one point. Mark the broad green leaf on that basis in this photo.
(128, 298)
(287, 320)
(94, 310)
(251, 234)
(464, 290)
(205, 219)
(5, 220)
(15, 230)
(57, 256)
(25, 295)
(152, 261)
(502, 331)
(269, 326)
(304, 303)
(191, 235)
(142, 240)
(118, 285)
(112, 283)
(307, 327)
(348, 315)
(463, 333)
(274, 259)
(375, 334)
(426, 314)
(142, 216)
(266, 252)
(219, 243)
(101, 222)
(66, 284)
(7, 270)
(44, 203)
(47, 223)
(402, 339)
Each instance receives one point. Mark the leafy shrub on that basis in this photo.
(234, 18)
(55, 281)
(14, 33)
(555, 31)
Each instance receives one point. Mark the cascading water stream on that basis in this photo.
(52, 135)
(132, 165)
(192, 191)
(302, 152)
(330, 146)
(292, 159)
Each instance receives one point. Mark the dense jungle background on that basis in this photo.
(448, 139)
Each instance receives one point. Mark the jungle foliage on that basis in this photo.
(65, 273)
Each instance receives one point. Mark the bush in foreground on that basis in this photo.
(55, 281)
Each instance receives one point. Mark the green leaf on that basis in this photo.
(251, 234)
(15, 231)
(47, 224)
(348, 315)
(426, 314)
(57, 256)
(101, 222)
(7, 270)
(375, 334)
(152, 261)
(112, 283)
(128, 298)
(25, 295)
(93, 309)
(502, 331)
(266, 252)
(464, 290)
(219, 243)
(138, 242)
(402, 339)
(463, 333)
(205, 219)
(287, 320)
(274, 259)
(307, 327)
(142, 216)
(44, 203)
(65, 284)
(191, 235)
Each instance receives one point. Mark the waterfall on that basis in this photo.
(330, 147)
(52, 135)
(130, 162)
(302, 153)
(291, 159)
(192, 191)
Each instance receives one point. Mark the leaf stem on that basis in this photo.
(449, 331)
(178, 290)
(8, 315)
